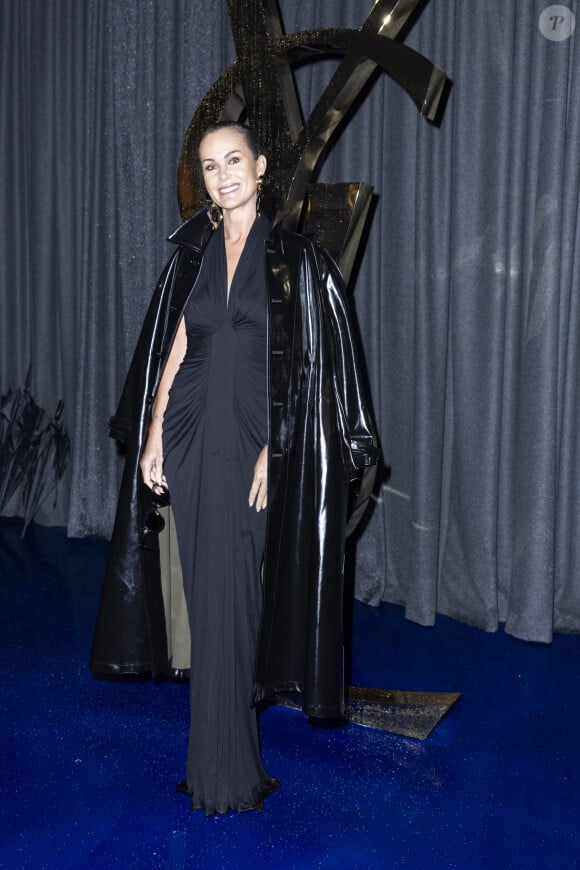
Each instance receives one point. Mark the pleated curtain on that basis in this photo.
(465, 293)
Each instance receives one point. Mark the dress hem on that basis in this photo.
(255, 801)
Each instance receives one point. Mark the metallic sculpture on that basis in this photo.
(259, 87)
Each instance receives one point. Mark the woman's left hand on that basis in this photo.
(259, 488)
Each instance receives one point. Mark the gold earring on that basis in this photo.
(259, 194)
(214, 214)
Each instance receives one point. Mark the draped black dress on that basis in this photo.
(214, 427)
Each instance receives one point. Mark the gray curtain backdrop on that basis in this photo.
(466, 296)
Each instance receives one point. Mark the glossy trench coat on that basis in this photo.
(320, 437)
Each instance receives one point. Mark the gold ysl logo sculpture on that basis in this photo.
(259, 85)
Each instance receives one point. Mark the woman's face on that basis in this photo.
(229, 169)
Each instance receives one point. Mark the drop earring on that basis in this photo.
(214, 213)
(259, 194)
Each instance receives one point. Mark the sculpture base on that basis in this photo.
(410, 714)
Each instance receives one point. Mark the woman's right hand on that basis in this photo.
(152, 459)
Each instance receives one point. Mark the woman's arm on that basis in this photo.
(152, 456)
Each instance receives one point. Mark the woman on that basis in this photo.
(257, 425)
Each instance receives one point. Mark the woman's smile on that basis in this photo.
(231, 172)
(229, 188)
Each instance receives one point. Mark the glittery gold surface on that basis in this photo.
(411, 714)
(259, 87)
(334, 216)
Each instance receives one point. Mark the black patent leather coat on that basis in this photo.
(320, 437)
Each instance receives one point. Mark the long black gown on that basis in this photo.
(215, 426)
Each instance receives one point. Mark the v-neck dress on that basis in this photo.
(214, 428)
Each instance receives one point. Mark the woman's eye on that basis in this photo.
(234, 160)
(209, 166)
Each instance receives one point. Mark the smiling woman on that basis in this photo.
(208, 434)
(257, 424)
(232, 175)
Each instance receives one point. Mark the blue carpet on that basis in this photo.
(89, 766)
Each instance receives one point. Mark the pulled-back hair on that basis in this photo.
(249, 134)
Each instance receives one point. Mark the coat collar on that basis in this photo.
(196, 231)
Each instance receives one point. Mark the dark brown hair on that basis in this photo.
(249, 134)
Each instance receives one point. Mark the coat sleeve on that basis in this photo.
(358, 436)
(143, 371)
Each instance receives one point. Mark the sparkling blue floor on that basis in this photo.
(89, 766)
